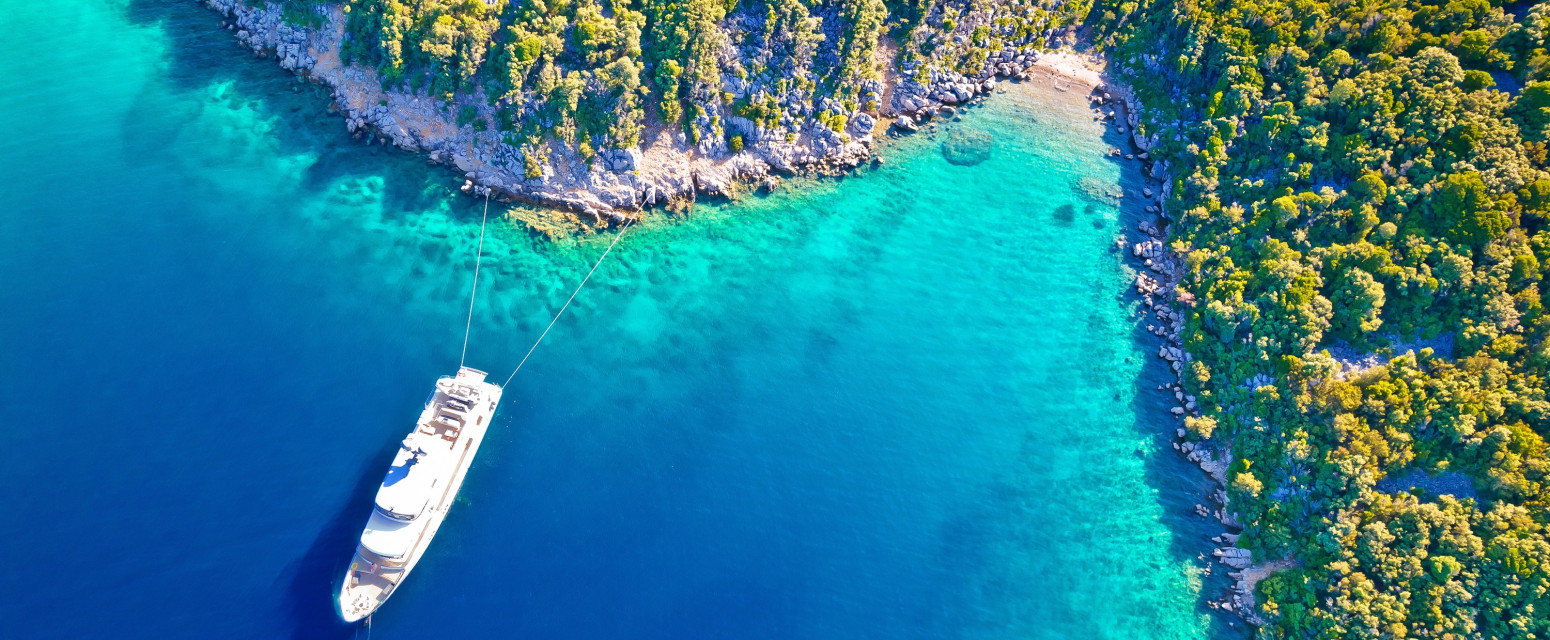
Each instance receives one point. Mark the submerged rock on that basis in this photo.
(1065, 214)
(1095, 190)
(967, 147)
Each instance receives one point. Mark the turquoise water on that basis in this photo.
(908, 404)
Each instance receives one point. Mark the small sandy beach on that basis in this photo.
(1067, 70)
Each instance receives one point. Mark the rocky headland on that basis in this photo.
(808, 133)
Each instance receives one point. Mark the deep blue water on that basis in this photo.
(907, 404)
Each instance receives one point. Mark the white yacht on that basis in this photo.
(418, 490)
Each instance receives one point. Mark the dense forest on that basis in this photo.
(586, 73)
(1359, 192)
(1364, 177)
(590, 75)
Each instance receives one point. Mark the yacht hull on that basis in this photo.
(418, 491)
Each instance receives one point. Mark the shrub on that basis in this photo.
(1201, 427)
(532, 166)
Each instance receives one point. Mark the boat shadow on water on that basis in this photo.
(311, 583)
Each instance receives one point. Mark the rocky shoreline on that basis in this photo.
(665, 170)
(1158, 271)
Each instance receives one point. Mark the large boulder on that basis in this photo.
(1235, 557)
(712, 181)
(862, 123)
(621, 160)
(744, 127)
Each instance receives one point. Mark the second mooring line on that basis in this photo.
(567, 302)
(474, 291)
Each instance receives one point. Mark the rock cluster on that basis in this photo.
(266, 32)
(1121, 95)
(1235, 557)
(1240, 598)
(1156, 284)
(915, 102)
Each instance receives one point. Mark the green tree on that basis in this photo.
(1466, 212)
(1532, 110)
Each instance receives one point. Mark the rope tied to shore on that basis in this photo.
(557, 315)
(473, 291)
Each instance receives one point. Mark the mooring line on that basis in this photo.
(474, 291)
(567, 302)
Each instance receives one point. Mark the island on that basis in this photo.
(1343, 250)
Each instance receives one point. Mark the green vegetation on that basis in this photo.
(584, 73)
(685, 42)
(863, 21)
(567, 70)
(1349, 172)
(960, 36)
(436, 44)
(302, 12)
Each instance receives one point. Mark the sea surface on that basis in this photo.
(911, 403)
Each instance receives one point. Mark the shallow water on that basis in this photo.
(911, 403)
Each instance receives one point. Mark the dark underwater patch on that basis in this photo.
(967, 147)
(1065, 214)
